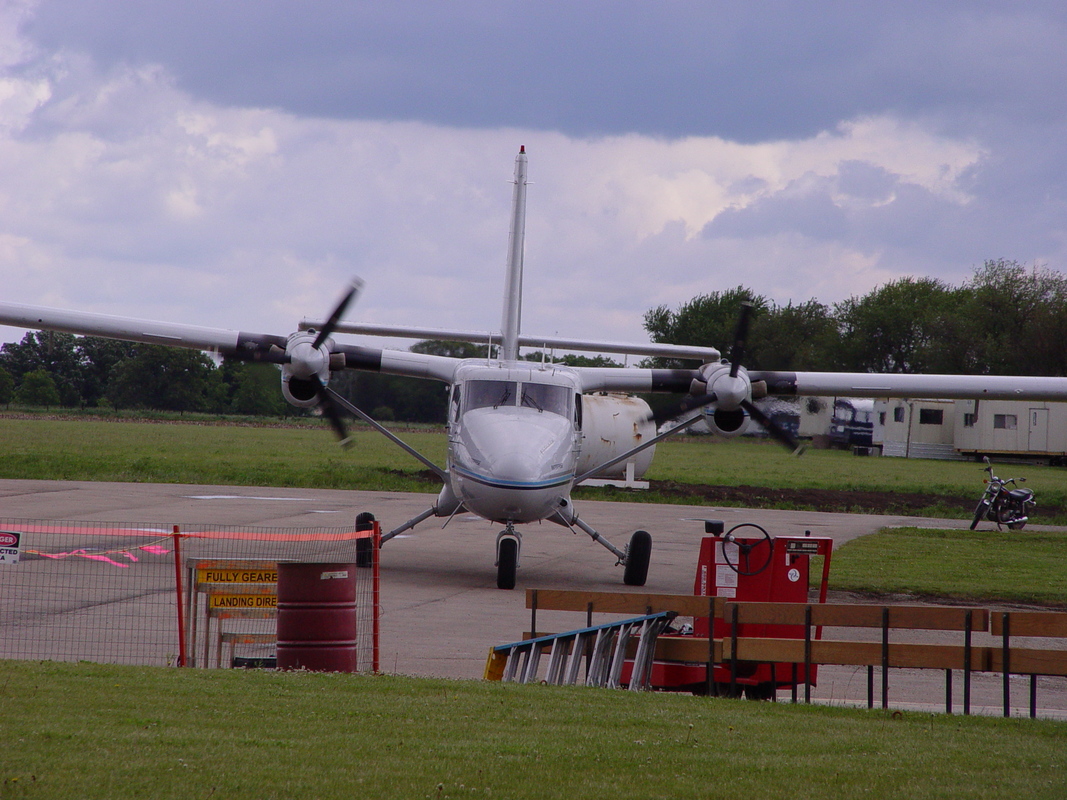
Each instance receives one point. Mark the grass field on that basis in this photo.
(91, 731)
(977, 566)
(307, 456)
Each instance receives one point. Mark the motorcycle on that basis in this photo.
(1002, 502)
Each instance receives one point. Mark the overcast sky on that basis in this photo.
(233, 164)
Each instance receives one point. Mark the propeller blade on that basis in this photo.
(685, 406)
(338, 313)
(333, 414)
(776, 431)
(737, 353)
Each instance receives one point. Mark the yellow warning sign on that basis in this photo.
(236, 576)
(243, 601)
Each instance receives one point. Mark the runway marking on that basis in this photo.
(242, 497)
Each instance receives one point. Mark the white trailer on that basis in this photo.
(1016, 428)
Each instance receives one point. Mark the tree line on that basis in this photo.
(1006, 319)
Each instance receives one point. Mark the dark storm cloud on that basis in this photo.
(744, 72)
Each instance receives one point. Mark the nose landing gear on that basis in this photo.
(507, 557)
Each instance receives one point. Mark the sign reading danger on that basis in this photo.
(9, 547)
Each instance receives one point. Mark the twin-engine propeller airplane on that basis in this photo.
(521, 435)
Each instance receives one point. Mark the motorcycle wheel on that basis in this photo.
(1016, 526)
(979, 513)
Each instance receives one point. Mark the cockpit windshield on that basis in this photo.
(490, 394)
(545, 397)
(538, 396)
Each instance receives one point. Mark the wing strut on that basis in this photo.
(440, 473)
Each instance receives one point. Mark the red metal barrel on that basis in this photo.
(317, 617)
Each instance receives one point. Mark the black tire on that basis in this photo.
(364, 547)
(638, 555)
(1016, 526)
(507, 562)
(979, 513)
(761, 691)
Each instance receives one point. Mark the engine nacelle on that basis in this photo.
(726, 423)
(308, 367)
(611, 425)
(299, 392)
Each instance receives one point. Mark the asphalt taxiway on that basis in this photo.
(441, 610)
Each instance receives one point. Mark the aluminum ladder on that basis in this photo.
(606, 645)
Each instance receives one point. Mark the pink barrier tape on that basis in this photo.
(154, 549)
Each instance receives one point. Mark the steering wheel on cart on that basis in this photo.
(750, 558)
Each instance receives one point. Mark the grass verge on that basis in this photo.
(96, 731)
(982, 566)
(692, 471)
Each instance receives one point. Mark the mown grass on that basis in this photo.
(307, 455)
(95, 731)
(980, 566)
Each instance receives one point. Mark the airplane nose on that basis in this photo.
(519, 467)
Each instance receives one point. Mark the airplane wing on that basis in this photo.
(703, 354)
(944, 387)
(246, 346)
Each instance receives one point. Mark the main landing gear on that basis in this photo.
(635, 558)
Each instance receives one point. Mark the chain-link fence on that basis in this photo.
(157, 594)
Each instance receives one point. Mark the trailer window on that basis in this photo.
(931, 416)
(1007, 422)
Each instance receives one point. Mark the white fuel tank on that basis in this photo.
(611, 425)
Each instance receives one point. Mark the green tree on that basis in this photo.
(38, 388)
(97, 357)
(254, 389)
(166, 379)
(708, 320)
(794, 337)
(55, 353)
(907, 325)
(7, 386)
(1018, 318)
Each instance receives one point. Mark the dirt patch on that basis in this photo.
(832, 500)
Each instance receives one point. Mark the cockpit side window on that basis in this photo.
(546, 397)
(490, 394)
(453, 413)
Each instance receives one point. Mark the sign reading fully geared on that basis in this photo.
(236, 576)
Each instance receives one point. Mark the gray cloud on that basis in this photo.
(748, 73)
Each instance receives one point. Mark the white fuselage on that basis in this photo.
(514, 438)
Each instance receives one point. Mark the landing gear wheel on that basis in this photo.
(979, 513)
(638, 554)
(364, 547)
(761, 691)
(507, 562)
(743, 556)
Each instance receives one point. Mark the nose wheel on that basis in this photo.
(507, 557)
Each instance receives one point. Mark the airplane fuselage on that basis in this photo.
(514, 437)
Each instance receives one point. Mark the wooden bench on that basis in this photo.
(811, 649)
(1030, 661)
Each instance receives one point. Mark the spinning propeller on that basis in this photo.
(730, 391)
(306, 362)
